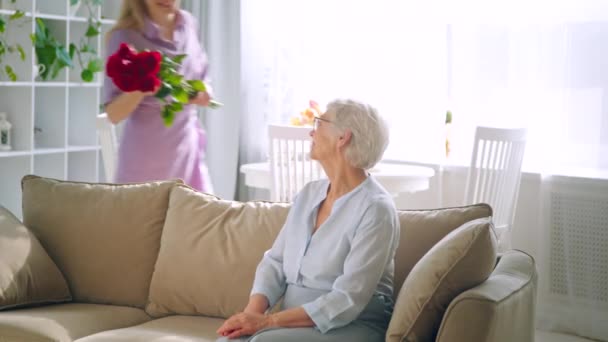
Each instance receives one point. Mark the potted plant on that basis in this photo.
(54, 56)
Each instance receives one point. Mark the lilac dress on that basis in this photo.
(149, 150)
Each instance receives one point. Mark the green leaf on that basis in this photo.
(2, 25)
(174, 79)
(11, 74)
(73, 2)
(18, 14)
(95, 65)
(63, 56)
(164, 90)
(86, 75)
(45, 56)
(72, 50)
(180, 95)
(40, 30)
(21, 52)
(91, 31)
(56, 68)
(179, 58)
(168, 115)
(33, 38)
(176, 107)
(197, 85)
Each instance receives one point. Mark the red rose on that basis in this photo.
(125, 51)
(149, 83)
(148, 62)
(127, 82)
(114, 66)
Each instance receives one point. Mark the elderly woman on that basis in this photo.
(332, 262)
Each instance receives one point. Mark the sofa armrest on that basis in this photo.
(500, 309)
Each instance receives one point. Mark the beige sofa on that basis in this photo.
(161, 262)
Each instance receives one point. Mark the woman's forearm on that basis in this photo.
(258, 303)
(123, 105)
(291, 318)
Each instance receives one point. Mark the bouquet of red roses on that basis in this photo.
(149, 70)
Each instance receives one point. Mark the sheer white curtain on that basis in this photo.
(547, 73)
(381, 52)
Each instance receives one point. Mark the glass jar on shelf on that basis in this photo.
(5, 133)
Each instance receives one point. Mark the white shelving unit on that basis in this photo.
(54, 132)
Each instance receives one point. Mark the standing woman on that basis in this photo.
(148, 149)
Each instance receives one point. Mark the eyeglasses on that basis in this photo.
(317, 120)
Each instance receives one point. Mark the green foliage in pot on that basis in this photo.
(55, 56)
(49, 51)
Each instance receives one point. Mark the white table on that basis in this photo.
(396, 178)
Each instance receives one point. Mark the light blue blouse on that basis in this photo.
(336, 273)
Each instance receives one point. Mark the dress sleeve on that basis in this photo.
(110, 90)
(373, 245)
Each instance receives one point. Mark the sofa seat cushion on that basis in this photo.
(27, 274)
(66, 322)
(172, 328)
(209, 252)
(103, 237)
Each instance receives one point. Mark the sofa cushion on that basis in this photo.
(27, 274)
(103, 237)
(422, 229)
(209, 252)
(172, 328)
(462, 259)
(66, 322)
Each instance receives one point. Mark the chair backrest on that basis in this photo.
(290, 164)
(495, 172)
(109, 145)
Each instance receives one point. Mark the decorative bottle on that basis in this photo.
(448, 133)
(5, 133)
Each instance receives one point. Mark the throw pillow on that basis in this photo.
(209, 252)
(461, 260)
(104, 237)
(28, 276)
(422, 229)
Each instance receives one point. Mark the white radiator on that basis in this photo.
(573, 293)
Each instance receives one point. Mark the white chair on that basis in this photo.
(109, 145)
(290, 164)
(495, 174)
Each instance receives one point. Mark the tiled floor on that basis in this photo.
(543, 336)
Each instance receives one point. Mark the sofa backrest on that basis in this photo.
(227, 239)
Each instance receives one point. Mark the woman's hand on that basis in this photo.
(202, 99)
(243, 324)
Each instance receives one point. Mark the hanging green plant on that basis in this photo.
(87, 56)
(49, 51)
(55, 56)
(8, 47)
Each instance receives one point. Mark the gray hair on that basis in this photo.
(369, 137)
